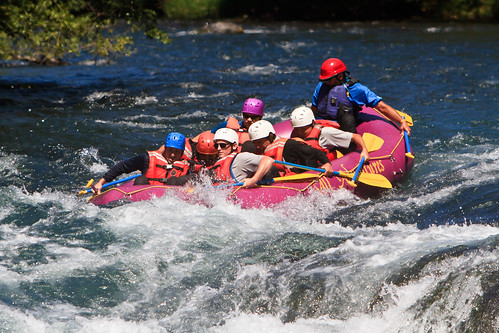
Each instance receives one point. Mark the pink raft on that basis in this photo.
(389, 160)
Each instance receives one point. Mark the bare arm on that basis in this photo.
(393, 115)
(360, 142)
(263, 168)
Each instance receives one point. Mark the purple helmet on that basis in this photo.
(253, 106)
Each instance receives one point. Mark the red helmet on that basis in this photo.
(206, 144)
(330, 68)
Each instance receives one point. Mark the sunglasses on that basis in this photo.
(252, 116)
(222, 145)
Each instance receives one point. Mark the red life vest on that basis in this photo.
(187, 150)
(312, 138)
(242, 133)
(159, 168)
(274, 150)
(222, 167)
(180, 168)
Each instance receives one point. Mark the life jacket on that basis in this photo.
(242, 133)
(180, 168)
(312, 139)
(159, 169)
(330, 100)
(187, 155)
(275, 150)
(222, 167)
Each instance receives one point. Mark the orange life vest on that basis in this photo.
(180, 168)
(187, 150)
(159, 169)
(242, 133)
(275, 150)
(222, 167)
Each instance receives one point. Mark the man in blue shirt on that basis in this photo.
(338, 97)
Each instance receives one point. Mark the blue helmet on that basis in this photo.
(175, 140)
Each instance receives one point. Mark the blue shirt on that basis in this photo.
(358, 93)
(223, 125)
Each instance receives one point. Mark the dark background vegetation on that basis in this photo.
(51, 31)
(326, 10)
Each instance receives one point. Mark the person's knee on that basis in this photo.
(273, 173)
(141, 180)
(348, 122)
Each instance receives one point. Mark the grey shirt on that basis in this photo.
(245, 165)
(331, 138)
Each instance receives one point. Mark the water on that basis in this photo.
(422, 258)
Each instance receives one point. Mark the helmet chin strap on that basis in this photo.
(346, 77)
(271, 137)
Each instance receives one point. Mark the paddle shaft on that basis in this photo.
(365, 178)
(407, 145)
(354, 179)
(335, 173)
(119, 181)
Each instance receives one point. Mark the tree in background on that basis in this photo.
(47, 31)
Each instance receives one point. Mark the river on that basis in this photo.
(423, 257)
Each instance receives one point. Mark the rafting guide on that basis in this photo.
(340, 97)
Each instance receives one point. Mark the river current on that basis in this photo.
(424, 257)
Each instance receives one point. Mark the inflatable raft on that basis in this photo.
(390, 156)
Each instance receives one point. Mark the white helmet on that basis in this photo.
(302, 116)
(259, 130)
(226, 134)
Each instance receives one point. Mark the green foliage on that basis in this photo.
(461, 9)
(46, 31)
(192, 9)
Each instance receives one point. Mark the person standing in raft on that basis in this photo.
(262, 134)
(156, 166)
(323, 134)
(245, 167)
(252, 112)
(340, 97)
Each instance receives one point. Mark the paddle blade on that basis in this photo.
(372, 141)
(371, 179)
(374, 179)
(407, 118)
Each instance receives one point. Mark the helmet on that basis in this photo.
(259, 130)
(226, 134)
(175, 140)
(206, 143)
(253, 106)
(330, 68)
(302, 116)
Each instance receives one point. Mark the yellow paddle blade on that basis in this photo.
(90, 182)
(371, 179)
(406, 117)
(372, 141)
(409, 155)
(374, 179)
(299, 176)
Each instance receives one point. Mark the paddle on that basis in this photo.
(371, 179)
(300, 176)
(356, 174)
(372, 142)
(89, 184)
(407, 145)
(405, 116)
